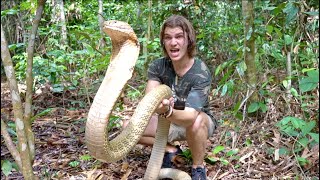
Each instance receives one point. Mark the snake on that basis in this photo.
(124, 54)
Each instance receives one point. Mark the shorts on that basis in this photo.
(178, 133)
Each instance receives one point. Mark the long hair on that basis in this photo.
(180, 21)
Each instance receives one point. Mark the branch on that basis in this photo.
(29, 78)
(17, 108)
(8, 141)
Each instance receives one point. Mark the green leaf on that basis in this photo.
(224, 89)
(74, 163)
(290, 131)
(303, 141)
(287, 39)
(263, 107)
(241, 68)
(236, 107)
(42, 113)
(297, 123)
(314, 75)
(291, 10)
(302, 161)
(6, 167)
(232, 152)
(253, 107)
(218, 149)
(248, 142)
(224, 161)
(312, 13)
(307, 84)
(308, 127)
(213, 159)
(269, 29)
(85, 157)
(308, 69)
(283, 151)
(285, 120)
(315, 136)
(9, 11)
(294, 92)
(217, 71)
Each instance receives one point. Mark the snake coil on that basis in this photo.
(125, 52)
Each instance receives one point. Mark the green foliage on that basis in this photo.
(6, 167)
(42, 113)
(219, 154)
(85, 157)
(310, 82)
(303, 131)
(113, 122)
(187, 154)
(74, 164)
(255, 106)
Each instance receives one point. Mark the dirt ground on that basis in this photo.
(61, 151)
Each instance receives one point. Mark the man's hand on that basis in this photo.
(164, 105)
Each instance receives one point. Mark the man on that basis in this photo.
(188, 109)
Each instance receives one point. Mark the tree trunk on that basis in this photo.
(26, 150)
(102, 42)
(148, 36)
(29, 78)
(249, 47)
(17, 109)
(63, 25)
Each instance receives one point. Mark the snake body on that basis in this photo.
(125, 52)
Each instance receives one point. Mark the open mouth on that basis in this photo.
(174, 52)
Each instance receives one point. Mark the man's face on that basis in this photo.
(175, 42)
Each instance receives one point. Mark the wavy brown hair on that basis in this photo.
(180, 21)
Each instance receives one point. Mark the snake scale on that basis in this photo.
(125, 52)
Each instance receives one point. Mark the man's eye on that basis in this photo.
(180, 37)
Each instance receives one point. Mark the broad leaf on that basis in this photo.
(315, 136)
(253, 107)
(308, 127)
(218, 149)
(6, 167)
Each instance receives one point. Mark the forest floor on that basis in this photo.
(250, 148)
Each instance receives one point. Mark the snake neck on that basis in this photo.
(118, 46)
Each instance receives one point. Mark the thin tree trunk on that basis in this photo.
(18, 112)
(148, 36)
(102, 42)
(63, 25)
(29, 78)
(249, 47)
(26, 151)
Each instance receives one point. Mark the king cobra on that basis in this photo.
(125, 52)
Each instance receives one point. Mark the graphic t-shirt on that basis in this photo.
(190, 90)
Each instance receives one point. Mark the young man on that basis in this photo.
(190, 80)
(188, 109)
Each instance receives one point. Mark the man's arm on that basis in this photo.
(163, 107)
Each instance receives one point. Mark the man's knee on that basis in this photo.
(201, 122)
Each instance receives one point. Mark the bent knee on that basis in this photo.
(201, 123)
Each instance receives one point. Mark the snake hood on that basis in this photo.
(122, 31)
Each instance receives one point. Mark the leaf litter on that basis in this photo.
(253, 149)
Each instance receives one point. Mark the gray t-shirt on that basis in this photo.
(190, 90)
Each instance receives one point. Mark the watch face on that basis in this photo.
(179, 105)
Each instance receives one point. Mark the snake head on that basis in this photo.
(119, 30)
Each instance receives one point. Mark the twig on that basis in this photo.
(214, 177)
(295, 156)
